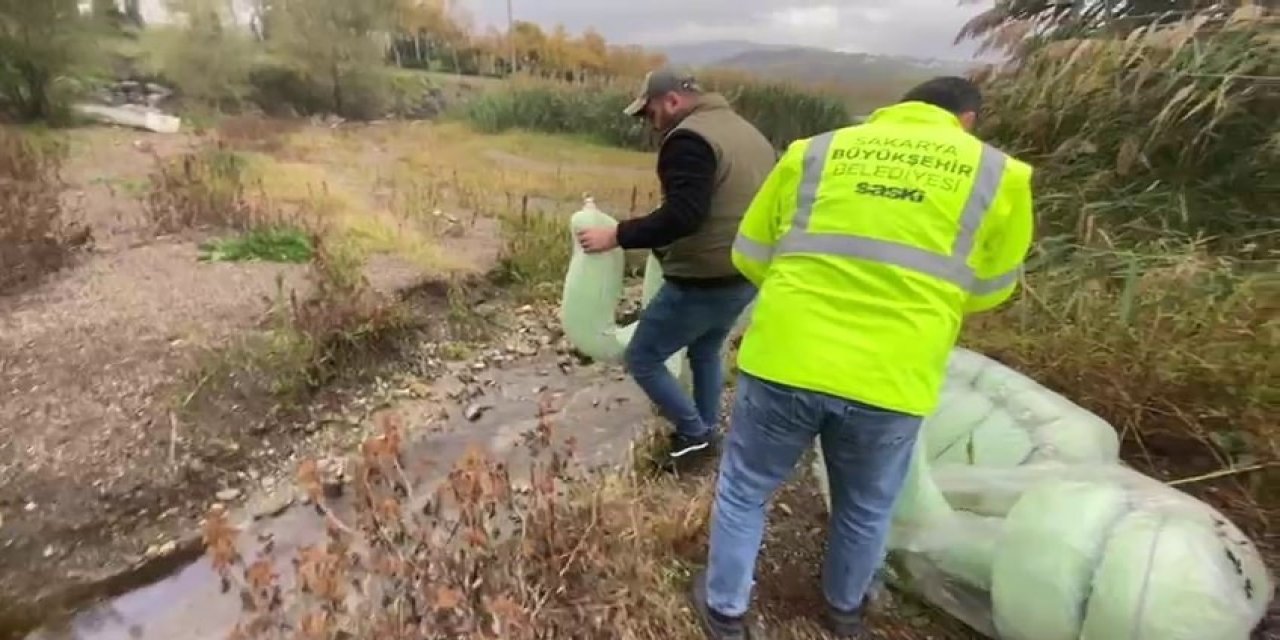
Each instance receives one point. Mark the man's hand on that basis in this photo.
(599, 239)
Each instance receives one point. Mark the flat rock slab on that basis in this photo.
(598, 407)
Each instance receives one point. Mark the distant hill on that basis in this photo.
(700, 54)
(811, 64)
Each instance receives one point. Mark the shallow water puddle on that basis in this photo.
(600, 410)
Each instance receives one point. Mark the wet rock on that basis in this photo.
(475, 411)
(271, 505)
(161, 550)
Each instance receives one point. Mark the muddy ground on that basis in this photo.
(102, 463)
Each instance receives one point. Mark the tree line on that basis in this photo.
(315, 54)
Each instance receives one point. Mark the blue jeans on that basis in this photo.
(867, 452)
(700, 320)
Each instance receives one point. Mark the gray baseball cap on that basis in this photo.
(660, 82)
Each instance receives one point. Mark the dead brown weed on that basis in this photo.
(555, 553)
(35, 237)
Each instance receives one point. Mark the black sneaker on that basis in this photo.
(683, 446)
(716, 626)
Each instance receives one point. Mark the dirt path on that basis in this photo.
(96, 472)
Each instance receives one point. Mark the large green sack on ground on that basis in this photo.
(1024, 524)
(990, 415)
(1119, 556)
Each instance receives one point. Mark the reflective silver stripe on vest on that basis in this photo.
(757, 251)
(953, 268)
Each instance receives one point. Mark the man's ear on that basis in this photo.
(968, 120)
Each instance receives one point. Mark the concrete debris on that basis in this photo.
(133, 92)
(134, 116)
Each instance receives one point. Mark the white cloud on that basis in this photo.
(802, 20)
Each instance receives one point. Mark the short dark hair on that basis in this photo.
(953, 93)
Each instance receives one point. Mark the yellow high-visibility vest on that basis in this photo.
(869, 245)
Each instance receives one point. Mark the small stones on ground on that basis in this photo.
(272, 505)
(161, 550)
(31, 506)
(227, 495)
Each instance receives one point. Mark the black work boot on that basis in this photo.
(844, 625)
(716, 626)
(848, 624)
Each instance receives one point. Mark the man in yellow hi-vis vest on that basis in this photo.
(869, 245)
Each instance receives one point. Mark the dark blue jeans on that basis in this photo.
(692, 318)
(867, 453)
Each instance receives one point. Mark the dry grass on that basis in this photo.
(205, 189)
(487, 555)
(1165, 131)
(1156, 338)
(35, 238)
(405, 189)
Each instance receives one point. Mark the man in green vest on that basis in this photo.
(711, 163)
(870, 245)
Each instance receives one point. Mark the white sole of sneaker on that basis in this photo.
(688, 450)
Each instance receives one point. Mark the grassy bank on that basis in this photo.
(783, 113)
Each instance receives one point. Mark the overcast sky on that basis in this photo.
(924, 28)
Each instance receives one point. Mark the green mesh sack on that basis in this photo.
(592, 291)
(1019, 519)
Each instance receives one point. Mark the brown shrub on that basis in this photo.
(343, 316)
(202, 188)
(35, 239)
(556, 555)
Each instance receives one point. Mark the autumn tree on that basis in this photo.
(41, 43)
(208, 58)
(594, 52)
(433, 30)
(530, 45)
(338, 44)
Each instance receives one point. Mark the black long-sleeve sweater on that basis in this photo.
(687, 171)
